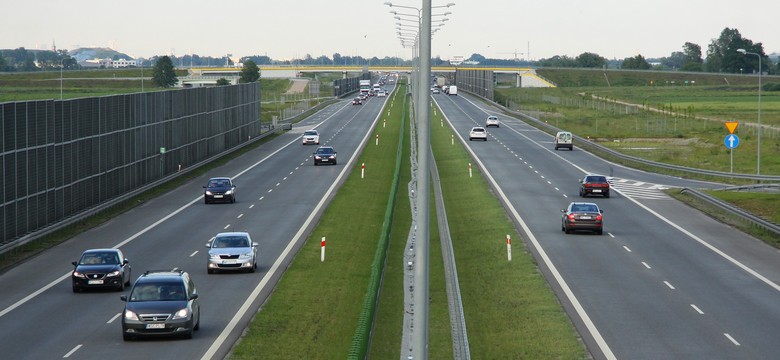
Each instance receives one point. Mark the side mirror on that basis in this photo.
(194, 296)
(75, 263)
(563, 211)
(601, 211)
(125, 262)
(204, 186)
(123, 298)
(255, 244)
(208, 245)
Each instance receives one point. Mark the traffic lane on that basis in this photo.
(140, 265)
(526, 191)
(580, 256)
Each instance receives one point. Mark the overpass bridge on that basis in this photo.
(208, 76)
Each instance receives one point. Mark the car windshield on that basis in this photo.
(158, 292)
(230, 242)
(478, 129)
(218, 183)
(596, 179)
(107, 258)
(585, 208)
(324, 151)
(310, 132)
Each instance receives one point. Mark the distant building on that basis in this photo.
(122, 63)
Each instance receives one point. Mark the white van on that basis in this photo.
(563, 139)
(452, 90)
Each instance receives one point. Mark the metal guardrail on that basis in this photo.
(723, 205)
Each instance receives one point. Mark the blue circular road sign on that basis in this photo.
(731, 141)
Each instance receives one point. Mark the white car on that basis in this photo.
(478, 132)
(311, 137)
(492, 120)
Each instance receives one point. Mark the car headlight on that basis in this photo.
(209, 193)
(78, 275)
(317, 157)
(113, 273)
(214, 256)
(247, 254)
(130, 315)
(181, 314)
(229, 192)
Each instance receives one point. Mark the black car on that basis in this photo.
(594, 185)
(101, 269)
(161, 303)
(582, 216)
(357, 101)
(219, 189)
(325, 155)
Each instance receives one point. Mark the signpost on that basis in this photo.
(731, 141)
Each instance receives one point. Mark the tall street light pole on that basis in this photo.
(758, 161)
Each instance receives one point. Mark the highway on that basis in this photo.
(663, 282)
(280, 195)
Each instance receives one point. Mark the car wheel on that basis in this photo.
(76, 289)
(315, 163)
(556, 148)
(485, 139)
(187, 335)
(334, 162)
(568, 231)
(599, 232)
(606, 195)
(127, 337)
(121, 286)
(205, 200)
(233, 199)
(197, 324)
(210, 271)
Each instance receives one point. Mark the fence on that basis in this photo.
(62, 157)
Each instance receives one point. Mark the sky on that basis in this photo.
(614, 29)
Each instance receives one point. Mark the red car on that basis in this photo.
(582, 216)
(594, 185)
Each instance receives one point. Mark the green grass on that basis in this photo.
(314, 308)
(511, 313)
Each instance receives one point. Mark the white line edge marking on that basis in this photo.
(226, 226)
(240, 216)
(602, 344)
(113, 318)
(193, 254)
(72, 351)
(627, 249)
(212, 350)
(669, 285)
(697, 309)
(731, 338)
(645, 264)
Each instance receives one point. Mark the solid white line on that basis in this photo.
(627, 249)
(669, 285)
(645, 264)
(602, 344)
(732, 339)
(193, 254)
(72, 351)
(113, 318)
(697, 309)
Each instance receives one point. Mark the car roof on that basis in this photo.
(477, 127)
(162, 275)
(233, 233)
(219, 178)
(100, 250)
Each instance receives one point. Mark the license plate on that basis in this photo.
(155, 326)
(95, 282)
(217, 196)
(585, 217)
(325, 159)
(229, 261)
(596, 190)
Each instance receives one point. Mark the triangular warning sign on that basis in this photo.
(731, 126)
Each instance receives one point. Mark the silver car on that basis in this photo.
(478, 132)
(232, 251)
(311, 137)
(492, 120)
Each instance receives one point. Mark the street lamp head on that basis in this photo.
(742, 51)
(389, 4)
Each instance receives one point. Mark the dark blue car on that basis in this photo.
(219, 189)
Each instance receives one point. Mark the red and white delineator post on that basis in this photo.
(362, 170)
(469, 169)
(508, 247)
(322, 250)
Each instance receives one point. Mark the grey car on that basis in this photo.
(161, 303)
(232, 251)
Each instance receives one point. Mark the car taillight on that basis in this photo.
(571, 217)
(598, 217)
